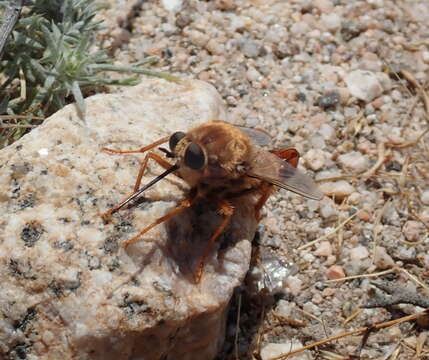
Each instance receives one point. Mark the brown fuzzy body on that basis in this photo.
(228, 152)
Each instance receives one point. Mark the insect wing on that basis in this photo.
(259, 137)
(272, 169)
(291, 155)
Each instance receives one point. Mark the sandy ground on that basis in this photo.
(345, 82)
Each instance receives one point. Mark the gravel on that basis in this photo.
(329, 78)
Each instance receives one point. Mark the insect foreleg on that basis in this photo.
(151, 155)
(140, 150)
(185, 204)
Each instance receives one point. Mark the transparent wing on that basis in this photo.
(259, 137)
(272, 169)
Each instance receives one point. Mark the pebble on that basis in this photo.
(338, 189)
(335, 272)
(273, 350)
(215, 47)
(285, 308)
(327, 210)
(354, 161)
(294, 285)
(328, 100)
(425, 56)
(425, 197)
(315, 159)
(363, 85)
(172, 5)
(350, 29)
(412, 230)
(382, 259)
(250, 48)
(327, 132)
(324, 6)
(364, 216)
(324, 248)
(359, 253)
(332, 22)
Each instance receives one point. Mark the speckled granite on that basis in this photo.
(68, 288)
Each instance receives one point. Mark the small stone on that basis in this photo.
(371, 62)
(328, 100)
(225, 5)
(364, 216)
(294, 285)
(172, 5)
(412, 230)
(425, 197)
(323, 249)
(198, 38)
(335, 272)
(300, 28)
(215, 47)
(324, 6)
(332, 22)
(285, 308)
(327, 132)
(363, 85)
(359, 253)
(354, 161)
(425, 56)
(273, 350)
(327, 210)
(250, 49)
(253, 75)
(315, 159)
(382, 259)
(384, 80)
(338, 189)
(183, 20)
(350, 29)
(284, 49)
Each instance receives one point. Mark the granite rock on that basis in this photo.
(69, 289)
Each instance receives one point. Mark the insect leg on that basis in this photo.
(266, 190)
(151, 155)
(184, 204)
(140, 150)
(227, 210)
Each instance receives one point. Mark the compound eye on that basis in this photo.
(194, 156)
(175, 138)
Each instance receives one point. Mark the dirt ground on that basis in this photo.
(346, 83)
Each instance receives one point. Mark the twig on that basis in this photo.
(395, 295)
(11, 17)
(311, 243)
(380, 161)
(354, 332)
(381, 273)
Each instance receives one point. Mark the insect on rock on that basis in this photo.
(220, 162)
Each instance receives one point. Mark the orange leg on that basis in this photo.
(185, 204)
(266, 190)
(140, 150)
(227, 210)
(151, 155)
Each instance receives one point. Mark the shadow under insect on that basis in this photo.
(188, 234)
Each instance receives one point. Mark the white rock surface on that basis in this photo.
(363, 85)
(69, 290)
